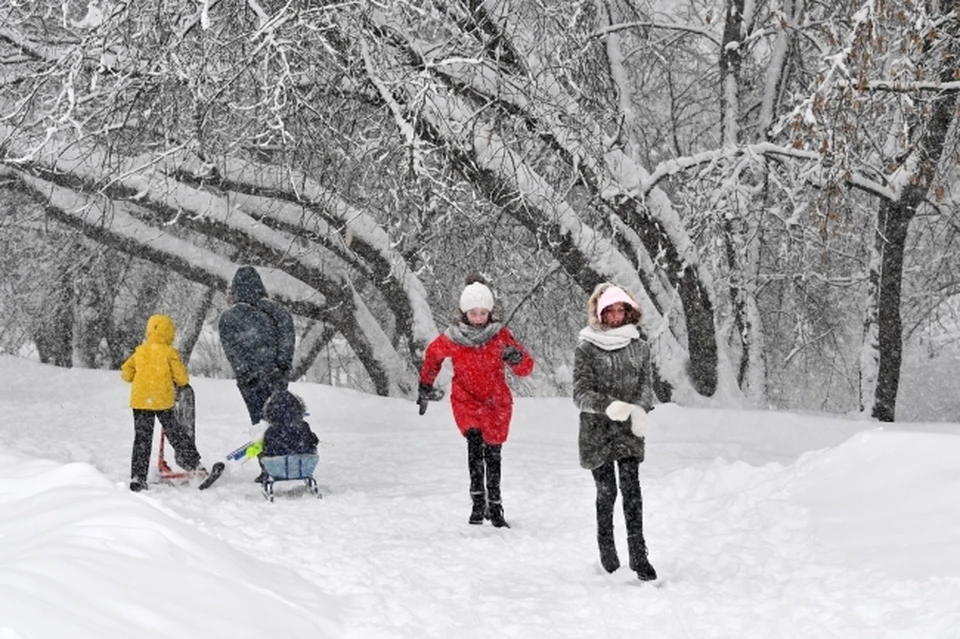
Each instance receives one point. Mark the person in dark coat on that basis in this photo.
(613, 388)
(258, 339)
(287, 433)
(480, 348)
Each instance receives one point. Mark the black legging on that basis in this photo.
(606, 481)
(184, 448)
(480, 454)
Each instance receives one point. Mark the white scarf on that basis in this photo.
(610, 339)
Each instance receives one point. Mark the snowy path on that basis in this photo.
(735, 522)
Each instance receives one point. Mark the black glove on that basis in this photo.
(280, 378)
(511, 355)
(427, 393)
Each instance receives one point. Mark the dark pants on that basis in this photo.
(605, 478)
(483, 459)
(185, 449)
(256, 395)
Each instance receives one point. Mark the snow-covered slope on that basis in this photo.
(760, 524)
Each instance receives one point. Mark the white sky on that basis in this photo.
(760, 524)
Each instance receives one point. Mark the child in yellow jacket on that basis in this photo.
(154, 369)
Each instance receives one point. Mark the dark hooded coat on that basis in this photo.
(256, 333)
(288, 433)
(600, 377)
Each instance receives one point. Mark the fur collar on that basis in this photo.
(592, 319)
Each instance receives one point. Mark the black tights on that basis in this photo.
(606, 480)
(479, 455)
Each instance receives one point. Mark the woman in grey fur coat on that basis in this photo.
(612, 387)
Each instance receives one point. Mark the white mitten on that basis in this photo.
(257, 430)
(619, 411)
(638, 421)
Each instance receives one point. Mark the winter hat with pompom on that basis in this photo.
(476, 295)
(613, 295)
(284, 408)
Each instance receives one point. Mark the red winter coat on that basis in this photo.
(479, 393)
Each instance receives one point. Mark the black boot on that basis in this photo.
(608, 552)
(259, 479)
(479, 512)
(495, 513)
(638, 559)
(606, 483)
(491, 457)
(475, 467)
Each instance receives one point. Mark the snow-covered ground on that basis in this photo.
(760, 524)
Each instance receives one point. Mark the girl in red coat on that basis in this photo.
(480, 348)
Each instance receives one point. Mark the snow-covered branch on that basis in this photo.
(677, 165)
(405, 128)
(901, 86)
(212, 214)
(652, 24)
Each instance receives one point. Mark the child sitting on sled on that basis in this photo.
(287, 433)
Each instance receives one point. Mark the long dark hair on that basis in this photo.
(630, 316)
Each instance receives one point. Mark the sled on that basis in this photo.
(185, 412)
(289, 468)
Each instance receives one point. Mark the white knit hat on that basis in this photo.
(476, 295)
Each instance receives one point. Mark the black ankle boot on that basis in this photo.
(495, 512)
(608, 553)
(479, 512)
(638, 559)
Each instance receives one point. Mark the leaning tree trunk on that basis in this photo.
(448, 99)
(389, 372)
(193, 327)
(312, 342)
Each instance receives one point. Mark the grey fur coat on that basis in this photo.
(601, 376)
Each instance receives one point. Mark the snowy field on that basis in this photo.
(765, 525)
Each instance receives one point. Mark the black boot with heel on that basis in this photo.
(638, 559)
(608, 552)
(491, 456)
(475, 466)
(496, 515)
(479, 511)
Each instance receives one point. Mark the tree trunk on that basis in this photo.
(312, 343)
(53, 336)
(928, 133)
(894, 221)
(193, 327)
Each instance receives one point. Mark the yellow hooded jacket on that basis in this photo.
(155, 367)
